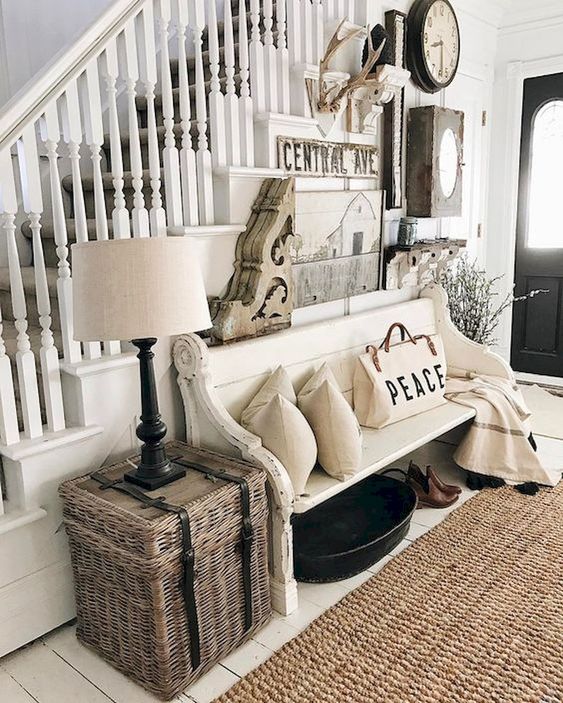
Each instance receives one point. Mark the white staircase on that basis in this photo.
(160, 120)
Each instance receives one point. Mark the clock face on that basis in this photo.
(440, 42)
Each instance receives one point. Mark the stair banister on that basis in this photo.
(257, 71)
(216, 97)
(188, 171)
(245, 100)
(51, 134)
(231, 98)
(283, 58)
(48, 354)
(25, 358)
(149, 77)
(270, 58)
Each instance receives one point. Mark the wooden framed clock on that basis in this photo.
(433, 44)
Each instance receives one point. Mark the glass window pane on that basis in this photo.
(546, 178)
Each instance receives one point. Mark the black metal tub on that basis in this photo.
(353, 530)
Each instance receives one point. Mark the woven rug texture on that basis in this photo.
(472, 612)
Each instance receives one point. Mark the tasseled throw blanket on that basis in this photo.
(497, 441)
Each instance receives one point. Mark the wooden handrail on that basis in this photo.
(30, 102)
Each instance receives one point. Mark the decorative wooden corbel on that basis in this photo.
(259, 298)
(420, 263)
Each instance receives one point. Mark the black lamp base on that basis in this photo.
(151, 483)
(155, 469)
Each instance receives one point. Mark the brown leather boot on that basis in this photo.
(427, 492)
(444, 487)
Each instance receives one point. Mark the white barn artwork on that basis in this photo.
(337, 245)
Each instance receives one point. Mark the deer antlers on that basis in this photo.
(330, 99)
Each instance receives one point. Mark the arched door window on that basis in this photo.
(545, 229)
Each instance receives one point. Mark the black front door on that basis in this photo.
(537, 332)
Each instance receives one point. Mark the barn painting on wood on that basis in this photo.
(336, 250)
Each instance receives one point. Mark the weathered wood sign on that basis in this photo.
(310, 157)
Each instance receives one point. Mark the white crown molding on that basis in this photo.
(525, 16)
(488, 11)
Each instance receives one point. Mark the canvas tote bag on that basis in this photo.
(400, 380)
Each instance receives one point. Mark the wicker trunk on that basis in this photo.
(130, 565)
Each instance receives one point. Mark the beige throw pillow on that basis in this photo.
(273, 416)
(338, 434)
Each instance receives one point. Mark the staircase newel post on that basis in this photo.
(72, 132)
(51, 136)
(147, 47)
(231, 98)
(120, 214)
(188, 172)
(257, 76)
(33, 205)
(283, 57)
(171, 157)
(203, 156)
(216, 98)
(246, 111)
(139, 213)
(271, 58)
(25, 358)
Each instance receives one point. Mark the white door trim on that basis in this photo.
(516, 74)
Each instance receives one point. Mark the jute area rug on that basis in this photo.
(472, 612)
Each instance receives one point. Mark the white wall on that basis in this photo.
(530, 43)
(33, 32)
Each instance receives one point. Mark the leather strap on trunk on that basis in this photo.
(188, 576)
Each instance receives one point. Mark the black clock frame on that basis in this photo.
(416, 59)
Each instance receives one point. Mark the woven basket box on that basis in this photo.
(129, 570)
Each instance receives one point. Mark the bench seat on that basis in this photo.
(218, 383)
(384, 446)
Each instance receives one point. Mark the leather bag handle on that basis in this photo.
(404, 334)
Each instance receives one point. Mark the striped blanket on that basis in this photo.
(497, 441)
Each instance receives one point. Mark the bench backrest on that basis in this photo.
(238, 370)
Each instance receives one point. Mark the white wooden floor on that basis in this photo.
(57, 669)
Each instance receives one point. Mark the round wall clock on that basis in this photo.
(433, 44)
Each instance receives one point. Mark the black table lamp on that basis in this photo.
(140, 289)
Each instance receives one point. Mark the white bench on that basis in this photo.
(217, 383)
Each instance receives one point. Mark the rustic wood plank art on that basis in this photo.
(259, 298)
(420, 263)
(393, 117)
(336, 250)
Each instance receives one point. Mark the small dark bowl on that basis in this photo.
(353, 530)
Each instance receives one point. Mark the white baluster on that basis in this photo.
(318, 31)
(270, 58)
(245, 101)
(231, 99)
(257, 75)
(329, 10)
(203, 156)
(283, 57)
(9, 432)
(72, 133)
(51, 137)
(342, 9)
(188, 170)
(294, 40)
(25, 358)
(157, 214)
(139, 214)
(307, 25)
(171, 158)
(120, 214)
(351, 11)
(218, 130)
(33, 206)
(94, 130)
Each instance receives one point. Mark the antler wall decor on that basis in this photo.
(334, 89)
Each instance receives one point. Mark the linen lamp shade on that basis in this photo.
(137, 288)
